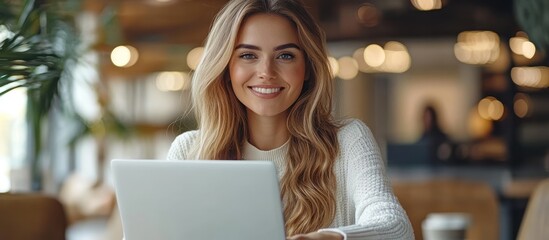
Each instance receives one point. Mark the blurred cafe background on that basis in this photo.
(456, 93)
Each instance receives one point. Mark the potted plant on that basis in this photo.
(38, 44)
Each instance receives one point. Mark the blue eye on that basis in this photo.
(247, 56)
(286, 56)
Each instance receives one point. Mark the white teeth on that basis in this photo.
(266, 90)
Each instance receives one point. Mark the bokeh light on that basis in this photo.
(479, 127)
(124, 56)
(348, 68)
(172, 81)
(477, 47)
(427, 5)
(490, 108)
(374, 55)
(533, 77)
(369, 15)
(358, 55)
(521, 45)
(194, 56)
(521, 105)
(397, 59)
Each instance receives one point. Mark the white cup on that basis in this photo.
(445, 226)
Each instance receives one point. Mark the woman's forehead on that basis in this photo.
(265, 29)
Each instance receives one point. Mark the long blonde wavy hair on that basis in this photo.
(308, 186)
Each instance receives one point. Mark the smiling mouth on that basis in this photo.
(262, 90)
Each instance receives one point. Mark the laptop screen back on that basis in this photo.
(198, 199)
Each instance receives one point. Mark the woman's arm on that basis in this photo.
(378, 214)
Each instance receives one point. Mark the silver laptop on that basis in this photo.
(198, 199)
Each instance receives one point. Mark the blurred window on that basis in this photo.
(12, 134)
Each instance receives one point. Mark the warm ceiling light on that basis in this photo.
(528, 49)
(194, 56)
(172, 81)
(374, 55)
(478, 126)
(348, 68)
(427, 5)
(358, 55)
(477, 47)
(369, 15)
(392, 58)
(495, 110)
(535, 77)
(482, 107)
(490, 108)
(397, 59)
(124, 56)
(515, 43)
(526, 76)
(521, 45)
(521, 105)
(395, 46)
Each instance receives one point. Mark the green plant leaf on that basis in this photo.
(28, 7)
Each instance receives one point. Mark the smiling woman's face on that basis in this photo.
(267, 68)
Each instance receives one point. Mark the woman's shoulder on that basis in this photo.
(357, 144)
(182, 145)
(353, 129)
(188, 136)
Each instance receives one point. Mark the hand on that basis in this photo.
(317, 236)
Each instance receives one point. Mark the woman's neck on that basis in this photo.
(267, 133)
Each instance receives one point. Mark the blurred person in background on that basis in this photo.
(438, 143)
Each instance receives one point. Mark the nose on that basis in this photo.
(265, 70)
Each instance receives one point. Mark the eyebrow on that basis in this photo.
(283, 46)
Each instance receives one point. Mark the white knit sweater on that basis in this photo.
(366, 207)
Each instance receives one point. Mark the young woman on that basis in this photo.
(263, 91)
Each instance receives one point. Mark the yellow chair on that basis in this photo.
(31, 217)
(478, 199)
(535, 223)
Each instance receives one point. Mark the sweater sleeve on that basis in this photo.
(181, 146)
(378, 214)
